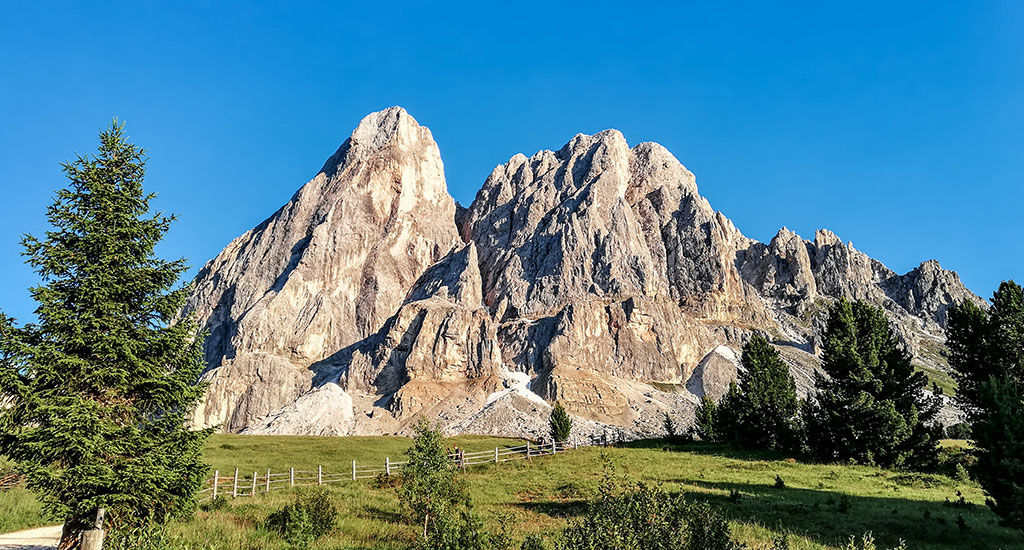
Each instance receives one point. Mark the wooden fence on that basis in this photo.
(244, 484)
(9, 481)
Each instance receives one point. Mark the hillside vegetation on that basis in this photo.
(820, 505)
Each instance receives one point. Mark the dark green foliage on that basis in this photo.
(560, 423)
(985, 345)
(670, 426)
(533, 542)
(310, 517)
(987, 355)
(100, 388)
(706, 420)
(872, 408)
(960, 430)
(727, 415)
(999, 448)
(761, 411)
(645, 517)
(456, 527)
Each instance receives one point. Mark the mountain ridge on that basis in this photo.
(593, 271)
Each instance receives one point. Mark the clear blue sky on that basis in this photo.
(900, 126)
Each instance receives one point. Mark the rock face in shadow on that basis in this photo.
(595, 275)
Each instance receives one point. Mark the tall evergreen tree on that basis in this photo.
(101, 386)
(764, 406)
(987, 356)
(705, 420)
(872, 406)
(560, 423)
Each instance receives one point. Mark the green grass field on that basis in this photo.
(821, 505)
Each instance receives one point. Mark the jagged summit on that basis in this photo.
(325, 271)
(586, 275)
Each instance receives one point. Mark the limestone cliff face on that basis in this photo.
(325, 271)
(595, 275)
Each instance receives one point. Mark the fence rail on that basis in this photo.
(243, 484)
(9, 481)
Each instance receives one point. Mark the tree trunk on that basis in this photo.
(68, 537)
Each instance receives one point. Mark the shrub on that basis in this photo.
(533, 542)
(310, 517)
(293, 524)
(219, 503)
(779, 482)
(960, 430)
(645, 517)
(384, 481)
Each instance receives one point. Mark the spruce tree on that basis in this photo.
(705, 421)
(987, 356)
(872, 407)
(101, 385)
(764, 406)
(560, 423)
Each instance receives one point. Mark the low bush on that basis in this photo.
(645, 517)
(779, 482)
(960, 430)
(310, 517)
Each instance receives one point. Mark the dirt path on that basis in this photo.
(40, 538)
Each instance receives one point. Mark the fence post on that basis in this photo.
(234, 486)
(320, 474)
(353, 470)
(495, 455)
(216, 481)
(253, 485)
(527, 449)
(576, 444)
(291, 476)
(554, 450)
(387, 466)
(268, 480)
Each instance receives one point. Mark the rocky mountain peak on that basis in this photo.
(594, 274)
(327, 269)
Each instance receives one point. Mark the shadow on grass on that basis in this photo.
(830, 517)
(700, 448)
(555, 508)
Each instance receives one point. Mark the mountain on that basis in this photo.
(595, 275)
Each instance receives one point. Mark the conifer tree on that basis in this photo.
(560, 423)
(761, 411)
(872, 408)
(987, 356)
(705, 421)
(100, 387)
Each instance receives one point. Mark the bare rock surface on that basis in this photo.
(326, 270)
(595, 275)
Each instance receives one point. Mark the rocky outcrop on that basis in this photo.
(713, 374)
(325, 271)
(442, 333)
(595, 275)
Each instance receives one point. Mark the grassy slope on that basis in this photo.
(538, 496)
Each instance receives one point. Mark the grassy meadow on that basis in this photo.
(820, 505)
